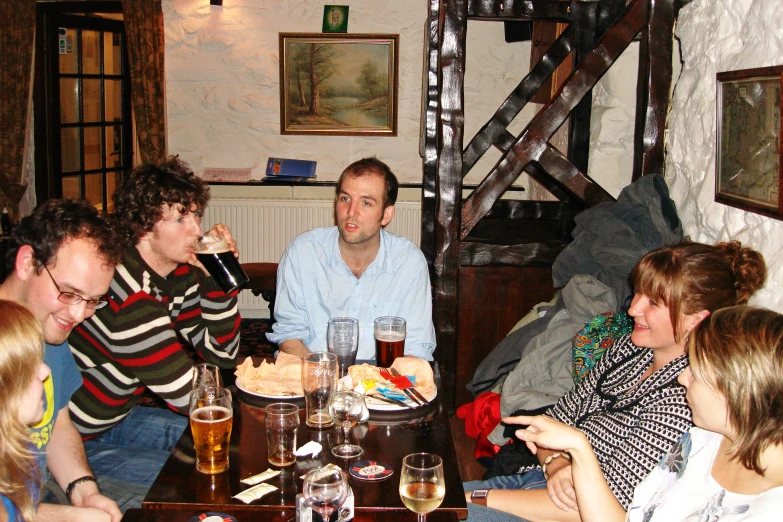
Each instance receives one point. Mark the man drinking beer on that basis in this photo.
(160, 294)
(355, 269)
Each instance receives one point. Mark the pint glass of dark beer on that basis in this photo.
(213, 252)
(389, 340)
(211, 417)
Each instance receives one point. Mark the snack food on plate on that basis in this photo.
(283, 377)
(408, 366)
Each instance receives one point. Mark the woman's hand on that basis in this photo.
(548, 433)
(560, 488)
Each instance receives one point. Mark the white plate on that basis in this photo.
(376, 405)
(257, 394)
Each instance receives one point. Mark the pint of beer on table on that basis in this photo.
(389, 340)
(211, 418)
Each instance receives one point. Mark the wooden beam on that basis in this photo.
(531, 144)
(449, 186)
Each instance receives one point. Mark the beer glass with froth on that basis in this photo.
(211, 416)
(342, 339)
(389, 340)
(213, 252)
(319, 381)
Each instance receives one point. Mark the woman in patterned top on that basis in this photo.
(730, 467)
(630, 406)
(22, 375)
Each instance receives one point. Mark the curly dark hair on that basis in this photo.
(57, 221)
(140, 201)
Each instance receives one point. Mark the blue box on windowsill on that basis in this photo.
(290, 168)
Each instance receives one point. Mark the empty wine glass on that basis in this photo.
(346, 407)
(325, 490)
(422, 486)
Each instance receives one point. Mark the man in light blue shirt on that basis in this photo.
(355, 269)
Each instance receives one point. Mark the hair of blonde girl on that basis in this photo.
(21, 354)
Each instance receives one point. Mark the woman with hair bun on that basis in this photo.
(729, 467)
(630, 406)
(22, 374)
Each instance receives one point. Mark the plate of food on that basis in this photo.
(385, 391)
(281, 379)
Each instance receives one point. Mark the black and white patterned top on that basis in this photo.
(630, 423)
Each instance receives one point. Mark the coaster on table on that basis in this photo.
(371, 470)
(210, 516)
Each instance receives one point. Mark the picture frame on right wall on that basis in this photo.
(748, 170)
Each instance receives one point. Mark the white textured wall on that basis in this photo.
(721, 35)
(222, 82)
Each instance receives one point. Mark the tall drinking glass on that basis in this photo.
(206, 375)
(325, 490)
(211, 416)
(342, 339)
(389, 340)
(319, 381)
(346, 408)
(281, 423)
(422, 485)
(213, 252)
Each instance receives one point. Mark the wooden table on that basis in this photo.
(386, 437)
(277, 515)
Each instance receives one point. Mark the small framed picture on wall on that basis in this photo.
(335, 19)
(748, 169)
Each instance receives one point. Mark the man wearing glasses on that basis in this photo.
(163, 304)
(59, 262)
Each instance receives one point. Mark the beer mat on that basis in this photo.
(376, 405)
(211, 516)
(371, 470)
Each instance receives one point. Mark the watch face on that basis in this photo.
(479, 493)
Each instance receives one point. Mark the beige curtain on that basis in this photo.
(144, 32)
(17, 31)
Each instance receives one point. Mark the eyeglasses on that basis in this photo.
(70, 298)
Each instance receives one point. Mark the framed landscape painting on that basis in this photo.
(749, 173)
(338, 84)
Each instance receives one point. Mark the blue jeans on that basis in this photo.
(136, 449)
(533, 479)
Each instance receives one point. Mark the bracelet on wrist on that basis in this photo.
(552, 457)
(80, 480)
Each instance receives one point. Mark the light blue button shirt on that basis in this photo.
(314, 284)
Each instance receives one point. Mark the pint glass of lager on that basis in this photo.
(319, 381)
(213, 252)
(389, 340)
(211, 416)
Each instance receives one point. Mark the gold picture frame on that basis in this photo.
(354, 78)
(748, 170)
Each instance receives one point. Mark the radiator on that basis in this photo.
(264, 227)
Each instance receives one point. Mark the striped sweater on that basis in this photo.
(134, 342)
(630, 423)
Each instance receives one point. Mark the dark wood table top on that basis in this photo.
(386, 437)
(277, 515)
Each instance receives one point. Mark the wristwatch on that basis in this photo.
(552, 457)
(479, 496)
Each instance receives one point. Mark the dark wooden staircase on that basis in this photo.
(491, 258)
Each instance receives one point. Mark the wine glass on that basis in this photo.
(346, 407)
(422, 486)
(325, 489)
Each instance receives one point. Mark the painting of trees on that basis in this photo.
(338, 83)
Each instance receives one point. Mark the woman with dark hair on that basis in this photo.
(630, 405)
(729, 467)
